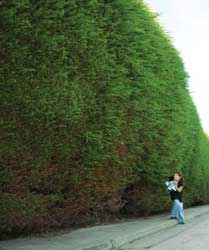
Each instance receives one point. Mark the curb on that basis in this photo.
(121, 241)
(105, 246)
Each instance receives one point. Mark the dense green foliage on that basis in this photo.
(95, 114)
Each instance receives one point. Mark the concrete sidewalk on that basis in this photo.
(102, 237)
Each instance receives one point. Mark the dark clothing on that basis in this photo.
(175, 195)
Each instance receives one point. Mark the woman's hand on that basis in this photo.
(179, 189)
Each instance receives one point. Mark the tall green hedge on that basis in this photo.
(95, 113)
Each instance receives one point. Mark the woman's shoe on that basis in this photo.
(181, 223)
(173, 218)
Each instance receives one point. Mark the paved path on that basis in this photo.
(192, 236)
(154, 233)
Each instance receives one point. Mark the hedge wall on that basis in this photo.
(95, 113)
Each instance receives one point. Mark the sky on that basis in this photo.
(187, 23)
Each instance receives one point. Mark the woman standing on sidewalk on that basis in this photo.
(177, 198)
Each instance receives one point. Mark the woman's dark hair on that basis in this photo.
(178, 173)
(170, 178)
(181, 180)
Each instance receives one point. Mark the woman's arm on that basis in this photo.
(179, 189)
